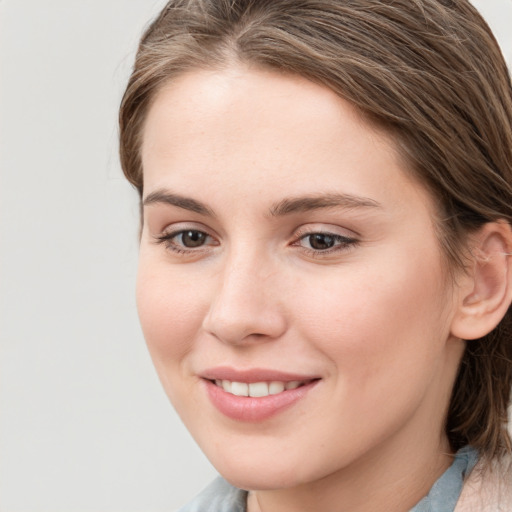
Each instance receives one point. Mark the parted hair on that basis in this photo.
(428, 72)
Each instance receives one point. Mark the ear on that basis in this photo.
(485, 290)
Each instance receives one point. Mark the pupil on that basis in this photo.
(321, 242)
(193, 238)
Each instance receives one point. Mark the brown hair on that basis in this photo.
(428, 71)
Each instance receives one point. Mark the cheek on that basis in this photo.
(380, 319)
(169, 311)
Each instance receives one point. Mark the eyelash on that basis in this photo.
(341, 243)
(167, 239)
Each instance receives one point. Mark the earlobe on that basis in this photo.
(486, 288)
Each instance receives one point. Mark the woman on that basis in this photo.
(325, 273)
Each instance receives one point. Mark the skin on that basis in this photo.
(372, 316)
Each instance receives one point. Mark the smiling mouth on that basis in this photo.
(255, 395)
(259, 389)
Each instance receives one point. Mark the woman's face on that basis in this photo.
(284, 245)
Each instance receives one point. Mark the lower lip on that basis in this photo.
(254, 409)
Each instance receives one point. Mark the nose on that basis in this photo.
(246, 306)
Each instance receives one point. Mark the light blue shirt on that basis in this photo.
(444, 494)
(220, 496)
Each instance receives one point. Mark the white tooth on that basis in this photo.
(275, 387)
(226, 385)
(292, 384)
(258, 389)
(240, 388)
(218, 383)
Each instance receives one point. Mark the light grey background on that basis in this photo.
(84, 425)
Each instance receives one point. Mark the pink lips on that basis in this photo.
(254, 409)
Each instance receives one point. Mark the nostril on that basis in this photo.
(247, 324)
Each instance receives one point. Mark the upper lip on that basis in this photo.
(253, 375)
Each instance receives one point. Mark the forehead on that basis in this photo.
(268, 106)
(264, 132)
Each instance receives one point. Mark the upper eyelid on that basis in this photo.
(327, 229)
(178, 227)
(340, 238)
(167, 240)
(167, 234)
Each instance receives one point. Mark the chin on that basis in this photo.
(258, 469)
(258, 478)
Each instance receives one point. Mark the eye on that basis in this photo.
(191, 238)
(186, 240)
(319, 243)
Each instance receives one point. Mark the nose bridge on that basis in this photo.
(245, 305)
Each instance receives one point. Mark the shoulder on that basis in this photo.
(219, 496)
(487, 489)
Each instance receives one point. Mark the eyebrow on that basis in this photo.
(187, 203)
(285, 207)
(316, 202)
